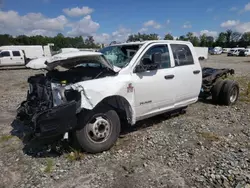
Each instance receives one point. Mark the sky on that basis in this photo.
(109, 20)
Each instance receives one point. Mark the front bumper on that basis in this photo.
(51, 123)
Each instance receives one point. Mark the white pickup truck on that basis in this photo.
(12, 58)
(89, 95)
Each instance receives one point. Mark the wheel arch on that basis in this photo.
(120, 104)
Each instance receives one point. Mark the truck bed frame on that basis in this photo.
(210, 76)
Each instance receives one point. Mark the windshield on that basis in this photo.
(121, 55)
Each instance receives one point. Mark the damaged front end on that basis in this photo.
(49, 110)
(53, 100)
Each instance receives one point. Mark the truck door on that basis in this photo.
(187, 73)
(17, 59)
(154, 89)
(5, 58)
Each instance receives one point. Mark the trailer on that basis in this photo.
(31, 51)
(202, 52)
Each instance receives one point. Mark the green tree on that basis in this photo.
(228, 35)
(183, 37)
(168, 36)
(90, 42)
(245, 40)
(6, 40)
(203, 40)
(221, 40)
(189, 36)
(142, 37)
(193, 39)
(210, 41)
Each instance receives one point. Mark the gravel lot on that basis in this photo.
(209, 146)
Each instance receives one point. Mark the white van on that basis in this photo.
(235, 51)
(245, 52)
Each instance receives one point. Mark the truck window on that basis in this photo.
(165, 59)
(5, 54)
(182, 55)
(16, 53)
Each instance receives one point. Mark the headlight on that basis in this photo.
(30, 90)
(60, 93)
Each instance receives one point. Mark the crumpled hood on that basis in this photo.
(37, 63)
(69, 60)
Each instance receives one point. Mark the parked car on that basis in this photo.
(87, 96)
(216, 51)
(235, 51)
(12, 58)
(245, 52)
(226, 50)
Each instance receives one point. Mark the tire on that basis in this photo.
(216, 91)
(230, 92)
(89, 133)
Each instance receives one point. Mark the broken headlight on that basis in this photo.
(71, 95)
(30, 89)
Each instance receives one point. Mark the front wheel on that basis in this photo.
(99, 130)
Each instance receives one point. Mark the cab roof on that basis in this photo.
(152, 41)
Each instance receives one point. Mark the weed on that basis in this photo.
(49, 166)
(209, 136)
(244, 84)
(75, 155)
(248, 89)
(5, 138)
(22, 85)
(10, 149)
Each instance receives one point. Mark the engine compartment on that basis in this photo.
(41, 95)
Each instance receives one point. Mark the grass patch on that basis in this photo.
(75, 155)
(49, 166)
(244, 83)
(10, 149)
(21, 85)
(5, 138)
(209, 136)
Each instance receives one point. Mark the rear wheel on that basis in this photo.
(230, 92)
(100, 130)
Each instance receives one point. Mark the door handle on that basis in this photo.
(196, 71)
(169, 77)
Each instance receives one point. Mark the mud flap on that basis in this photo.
(56, 121)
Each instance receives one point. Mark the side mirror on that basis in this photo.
(143, 68)
(139, 68)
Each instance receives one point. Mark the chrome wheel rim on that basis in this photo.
(98, 129)
(233, 95)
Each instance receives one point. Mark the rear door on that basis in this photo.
(188, 74)
(5, 58)
(17, 58)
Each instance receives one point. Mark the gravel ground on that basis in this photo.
(208, 146)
